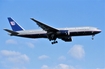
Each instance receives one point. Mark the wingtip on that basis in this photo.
(32, 18)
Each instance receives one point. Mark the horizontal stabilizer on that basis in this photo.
(12, 32)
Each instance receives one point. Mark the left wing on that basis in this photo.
(44, 26)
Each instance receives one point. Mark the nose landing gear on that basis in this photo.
(93, 37)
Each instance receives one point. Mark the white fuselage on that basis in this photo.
(76, 31)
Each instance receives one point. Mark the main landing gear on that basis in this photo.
(54, 42)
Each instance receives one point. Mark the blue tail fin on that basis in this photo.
(15, 26)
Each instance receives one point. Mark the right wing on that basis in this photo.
(44, 26)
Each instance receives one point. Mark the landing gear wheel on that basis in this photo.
(54, 42)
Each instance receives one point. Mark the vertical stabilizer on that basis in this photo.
(15, 26)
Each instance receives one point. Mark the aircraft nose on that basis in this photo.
(99, 31)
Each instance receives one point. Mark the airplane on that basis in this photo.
(49, 32)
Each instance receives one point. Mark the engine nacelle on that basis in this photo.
(67, 39)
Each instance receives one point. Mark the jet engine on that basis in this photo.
(67, 39)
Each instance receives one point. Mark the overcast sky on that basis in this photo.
(24, 53)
